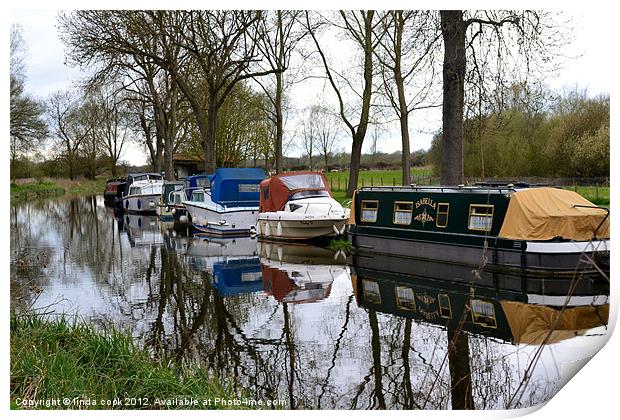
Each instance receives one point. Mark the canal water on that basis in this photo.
(314, 327)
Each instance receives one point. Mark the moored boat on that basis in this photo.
(509, 227)
(299, 206)
(143, 196)
(229, 205)
(113, 191)
(170, 206)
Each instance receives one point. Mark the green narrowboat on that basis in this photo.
(520, 227)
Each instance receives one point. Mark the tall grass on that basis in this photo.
(63, 358)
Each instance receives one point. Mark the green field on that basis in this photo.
(338, 181)
(598, 195)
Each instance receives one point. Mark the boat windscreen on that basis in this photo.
(303, 181)
(309, 193)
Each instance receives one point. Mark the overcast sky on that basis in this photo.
(589, 69)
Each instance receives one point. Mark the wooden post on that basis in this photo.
(597, 191)
(338, 183)
(394, 181)
(372, 182)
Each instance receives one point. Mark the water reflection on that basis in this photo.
(298, 323)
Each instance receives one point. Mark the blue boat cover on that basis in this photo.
(195, 181)
(237, 186)
(237, 277)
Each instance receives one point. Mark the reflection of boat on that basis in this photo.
(142, 230)
(511, 315)
(203, 253)
(237, 276)
(143, 195)
(298, 206)
(230, 205)
(521, 228)
(298, 273)
(233, 262)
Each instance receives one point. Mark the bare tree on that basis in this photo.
(68, 127)
(363, 28)
(328, 130)
(520, 43)
(27, 126)
(407, 60)
(279, 33)
(310, 133)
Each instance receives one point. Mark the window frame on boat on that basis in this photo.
(477, 315)
(412, 307)
(439, 212)
(440, 307)
(410, 212)
(369, 295)
(376, 210)
(472, 207)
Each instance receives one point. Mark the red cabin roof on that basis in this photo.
(277, 190)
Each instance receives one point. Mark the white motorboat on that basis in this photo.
(143, 196)
(299, 206)
(170, 206)
(229, 205)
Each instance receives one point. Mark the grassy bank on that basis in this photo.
(33, 189)
(63, 359)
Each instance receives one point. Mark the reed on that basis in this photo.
(61, 358)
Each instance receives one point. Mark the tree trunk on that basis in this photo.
(453, 30)
(279, 123)
(354, 169)
(460, 371)
(209, 139)
(326, 157)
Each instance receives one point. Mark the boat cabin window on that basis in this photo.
(480, 217)
(198, 196)
(134, 190)
(442, 214)
(445, 308)
(371, 291)
(369, 211)
(483, 313)
(405, 299)
(248, 188)
(403, 212)
(309, 193)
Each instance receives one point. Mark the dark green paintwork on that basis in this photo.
(427, 294)
(456, 231)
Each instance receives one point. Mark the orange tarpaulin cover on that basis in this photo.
(545, 213)
(277, 190)
(531, 324)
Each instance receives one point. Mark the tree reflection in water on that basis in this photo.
(290, 322)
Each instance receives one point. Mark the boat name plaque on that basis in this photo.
(426, 201)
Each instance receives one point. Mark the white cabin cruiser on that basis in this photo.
(143, 196)
(229, 205)
(299, 206)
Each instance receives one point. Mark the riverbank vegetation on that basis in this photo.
(61, 358)
(48, 187)
(550, 135)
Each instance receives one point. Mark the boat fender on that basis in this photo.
(252, 231)
(183, 219)
(279, 229)
(267, 229)
(173, 211)
(336, 230)
(151, 204)
(280, 254)
(258, 232)
(205, 222)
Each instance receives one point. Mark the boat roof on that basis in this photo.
(145, 182)
(276, 191)
(481, 188)
(236, 185)
(153, 174)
